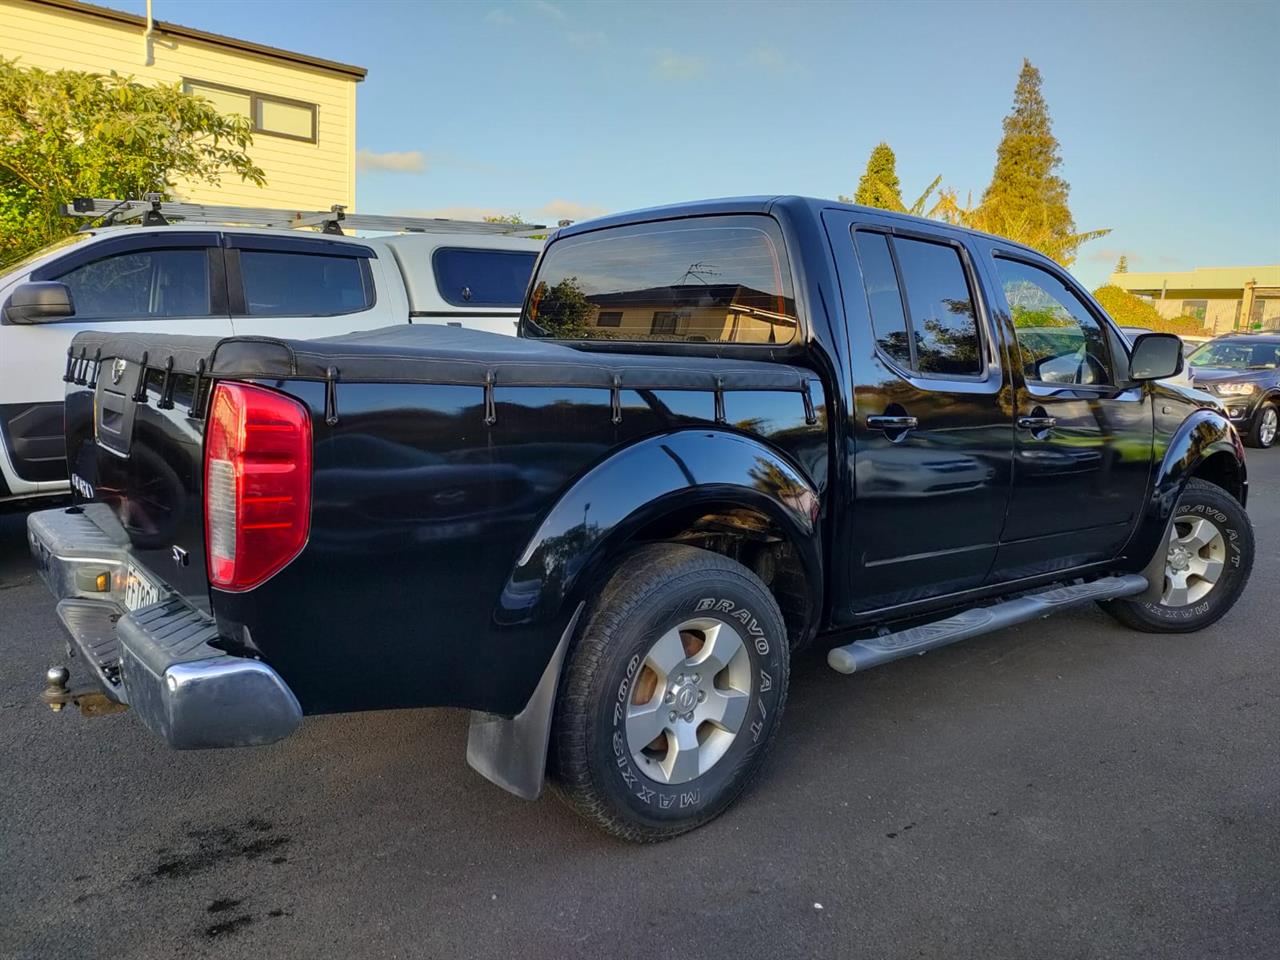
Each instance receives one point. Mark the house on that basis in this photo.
(303, 108)
(1222, 298)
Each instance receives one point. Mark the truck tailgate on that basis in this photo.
(133, 446)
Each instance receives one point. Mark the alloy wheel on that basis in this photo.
(689, 700)
(1197, 556)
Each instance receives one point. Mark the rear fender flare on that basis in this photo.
(640, 484)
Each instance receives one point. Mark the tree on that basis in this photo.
(1026, 200)
(67, 134)
(1122, 266)
(879, 186)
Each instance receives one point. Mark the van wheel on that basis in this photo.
(672, 693)
(1208, 564)
(1266, 424)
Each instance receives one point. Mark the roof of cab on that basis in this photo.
(764, 204)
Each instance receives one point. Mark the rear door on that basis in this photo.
(168, 281)
(303, 286)
(1083, 437)
(931, 422)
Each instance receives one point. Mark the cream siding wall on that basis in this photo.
(305, 176)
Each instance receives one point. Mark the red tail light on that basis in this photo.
(257, 484)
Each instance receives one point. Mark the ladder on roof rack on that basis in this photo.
(154, 212)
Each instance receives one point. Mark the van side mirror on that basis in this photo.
(38, 301)
(1155, 356)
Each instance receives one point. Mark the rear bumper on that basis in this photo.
(160, 659)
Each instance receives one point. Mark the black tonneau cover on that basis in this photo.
(427, 353)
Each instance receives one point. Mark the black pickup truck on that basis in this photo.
(729, 430)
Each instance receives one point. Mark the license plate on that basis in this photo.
(139, 592)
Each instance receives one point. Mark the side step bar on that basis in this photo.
(873, 651)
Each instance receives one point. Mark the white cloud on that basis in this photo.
(1112, 256)
(772, 59)
(670, 65)
(548, 9)
(499, 17)
(569, 210)
(404, 161)
(588, 38)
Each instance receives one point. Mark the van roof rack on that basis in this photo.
(155, 212)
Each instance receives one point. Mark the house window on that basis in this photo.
(609, 318)
(274, 116)
(664, 323)
(1195, 308)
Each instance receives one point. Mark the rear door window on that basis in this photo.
(482, 278)
(279, 283)
(698, 280)
(142, 284)
(922, 307)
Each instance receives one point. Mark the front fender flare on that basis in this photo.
(644, 482)
(1203, 434)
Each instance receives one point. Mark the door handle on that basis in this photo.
(889, 422)
(1037, 424)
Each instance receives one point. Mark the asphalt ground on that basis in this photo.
(1061, 789)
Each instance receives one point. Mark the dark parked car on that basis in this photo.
(1244, 371)
(729, 430)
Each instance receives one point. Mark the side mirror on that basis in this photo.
(1155, 356)
(38, 301)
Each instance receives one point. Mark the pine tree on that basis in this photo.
(1123, 265)
(1025, 190)
(879, 186)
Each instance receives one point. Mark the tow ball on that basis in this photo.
(92, 703)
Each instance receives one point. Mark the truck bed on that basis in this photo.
(429, 353)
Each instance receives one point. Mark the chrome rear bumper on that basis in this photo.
(159, 659)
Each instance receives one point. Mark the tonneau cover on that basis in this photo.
(429, 353)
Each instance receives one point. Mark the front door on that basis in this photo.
(1083, 438)
(931, 424)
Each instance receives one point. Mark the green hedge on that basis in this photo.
(1130, 311)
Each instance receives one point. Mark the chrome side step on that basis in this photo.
(873, 651)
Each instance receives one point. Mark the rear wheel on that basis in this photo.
(1209, 559)
(672, 693)
(1265, 426)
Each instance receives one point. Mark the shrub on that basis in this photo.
(1130, 311)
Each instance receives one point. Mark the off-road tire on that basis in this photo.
(1207, 500)
(654, 589)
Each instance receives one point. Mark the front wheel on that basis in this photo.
(672, 693)
(1209, 559)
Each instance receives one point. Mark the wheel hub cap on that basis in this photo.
(1196, 559)
(688, 701)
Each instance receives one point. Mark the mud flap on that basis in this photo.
(512, 751)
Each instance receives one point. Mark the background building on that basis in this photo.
(303, 108)
(1223, 298)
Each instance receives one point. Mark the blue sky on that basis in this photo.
(1168, 112)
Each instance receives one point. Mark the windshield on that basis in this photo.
(1238, 355)
(27, 261)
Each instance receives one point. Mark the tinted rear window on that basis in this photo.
(280, 284)
(482, 278)
(703, 280)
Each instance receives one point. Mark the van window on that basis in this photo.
(284, 284)
(699, 280)
(140, 284)
(482, 278)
